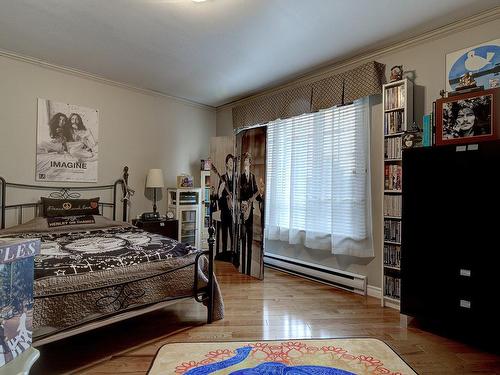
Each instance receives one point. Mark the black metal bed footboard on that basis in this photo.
(207, 294)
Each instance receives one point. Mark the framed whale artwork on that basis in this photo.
(482, 61)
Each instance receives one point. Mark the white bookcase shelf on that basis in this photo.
(397, 103)
(186, 204)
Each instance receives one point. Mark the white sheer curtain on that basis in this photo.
(318, 184)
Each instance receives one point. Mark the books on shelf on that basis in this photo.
(392, 148)
(399, 132)
(392, 255)
(392, 205)
(392, 287)
(393, 122)
(392, 177)
(395, 97)
(392, 230)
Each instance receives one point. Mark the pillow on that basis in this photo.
(40, 225)
(69, 207)
(70, 220)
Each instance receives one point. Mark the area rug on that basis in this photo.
(319, 357)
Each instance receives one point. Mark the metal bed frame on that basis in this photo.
(120, 297)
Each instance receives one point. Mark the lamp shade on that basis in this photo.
(155, 179)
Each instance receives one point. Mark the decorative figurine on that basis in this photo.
(466, 81)
(412, 137)
(466, 84)
(396, 73)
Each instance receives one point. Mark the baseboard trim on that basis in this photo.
(374, 291)
(325, 275)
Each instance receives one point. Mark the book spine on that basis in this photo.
(426, 130)
(433, 123)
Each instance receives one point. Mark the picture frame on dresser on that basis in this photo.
(468, 117)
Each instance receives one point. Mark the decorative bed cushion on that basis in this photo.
(69, 207)
(70, 220)
(40, 225)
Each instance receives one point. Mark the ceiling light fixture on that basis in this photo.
(199, 1)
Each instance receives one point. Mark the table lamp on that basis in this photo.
(154, 180)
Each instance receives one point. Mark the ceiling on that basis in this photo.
(216, 51)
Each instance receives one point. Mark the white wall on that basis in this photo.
(137, 129)
(427, 62)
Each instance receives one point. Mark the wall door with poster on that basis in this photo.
(250, 162)
(221, 196)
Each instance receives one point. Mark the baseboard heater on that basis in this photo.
(334, 277)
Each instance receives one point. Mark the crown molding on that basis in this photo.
(98, 78)
(342, 64)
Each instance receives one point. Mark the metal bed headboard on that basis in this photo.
(65, 192)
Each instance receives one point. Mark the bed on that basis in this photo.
(100, 271)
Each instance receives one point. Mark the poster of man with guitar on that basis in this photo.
(249, 193)
(225, 200)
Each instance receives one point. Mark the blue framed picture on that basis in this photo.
(482, 61)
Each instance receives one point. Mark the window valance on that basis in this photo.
(364, 80)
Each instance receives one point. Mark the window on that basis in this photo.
(318, 186)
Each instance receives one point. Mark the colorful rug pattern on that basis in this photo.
(321, 357)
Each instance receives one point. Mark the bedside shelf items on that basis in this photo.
(168, 228)
(186, 205)
(397, 106)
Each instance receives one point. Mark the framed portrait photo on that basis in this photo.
(465, 118)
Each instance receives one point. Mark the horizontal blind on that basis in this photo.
(316, 176)
(350, 145)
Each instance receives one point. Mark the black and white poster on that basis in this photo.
(250, 197)
(469, 117)
(221, 196)
(67, 142)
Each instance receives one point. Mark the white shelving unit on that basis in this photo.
(397, 104)
(186, 205)
(205, 209)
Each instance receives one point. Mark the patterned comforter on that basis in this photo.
(83, 275)
(64, 254)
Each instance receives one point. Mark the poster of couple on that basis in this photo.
(67, 142)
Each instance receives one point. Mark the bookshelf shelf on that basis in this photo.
(397, 134)
(394, 109)
(397, 104)
(392, 299)
(392, 267)
(392, 242)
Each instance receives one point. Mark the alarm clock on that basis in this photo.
(150, 216)
(170, 215)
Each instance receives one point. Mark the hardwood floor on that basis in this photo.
(280, 307)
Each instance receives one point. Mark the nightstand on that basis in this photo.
(167, 228)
